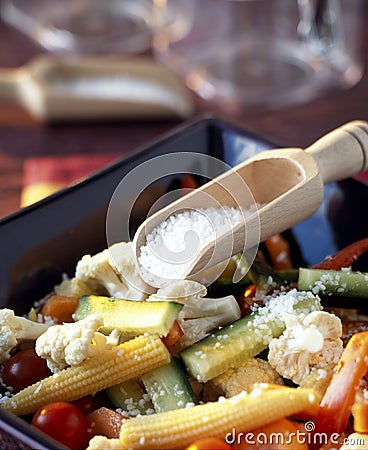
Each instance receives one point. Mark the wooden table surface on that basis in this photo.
(21, 136)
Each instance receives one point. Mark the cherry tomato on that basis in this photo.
(209, 443)
(24, 369)
(63, 422)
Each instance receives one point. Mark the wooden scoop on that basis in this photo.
(286, 183)
(53, 89)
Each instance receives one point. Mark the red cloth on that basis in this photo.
(43, 175)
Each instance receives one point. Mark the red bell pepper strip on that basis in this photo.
(336, 404)
(344, 257)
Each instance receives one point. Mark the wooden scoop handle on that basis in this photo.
(343, 152)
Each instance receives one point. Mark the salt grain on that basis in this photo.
(172, 245)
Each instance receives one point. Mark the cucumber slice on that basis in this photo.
(246, 337)
(334, 282)
(289, 275)
(263, 275)
(168, 387)
(130, 317)
(130, 398)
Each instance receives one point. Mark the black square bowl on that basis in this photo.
(42, 242)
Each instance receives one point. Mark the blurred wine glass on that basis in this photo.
(85, 26)
(253, 55)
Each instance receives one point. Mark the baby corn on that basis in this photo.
(130, 359)
(244, 412)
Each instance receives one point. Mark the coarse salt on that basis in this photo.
(171, 247)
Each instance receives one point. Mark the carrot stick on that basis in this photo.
(278, 249)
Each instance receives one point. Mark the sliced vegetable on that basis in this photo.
(246, 337)
(264, 276)
(130, 398)
(105, 422)
(345, 257)
(278, 249)
(288, 275)
(335, 407)
(174, 335)
(337, 282)
(168, 387)
(130, 317)
(128, 360)
(60, 308)
(179, 428)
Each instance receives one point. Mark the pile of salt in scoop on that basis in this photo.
(172, 245)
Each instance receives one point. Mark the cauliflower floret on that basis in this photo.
(200, 315)
(242, 378)
(102, 442)
(309, 342)
(70, 344)
(114, 270)
(15, 330)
